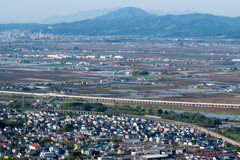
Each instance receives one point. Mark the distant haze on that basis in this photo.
(79, 16)
(103, 14)
(35, 11)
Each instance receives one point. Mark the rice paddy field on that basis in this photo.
(185, 70)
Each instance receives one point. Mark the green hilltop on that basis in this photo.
(125, 12)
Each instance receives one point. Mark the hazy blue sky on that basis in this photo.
(37, 10)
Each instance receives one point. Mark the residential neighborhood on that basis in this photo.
(42, 135)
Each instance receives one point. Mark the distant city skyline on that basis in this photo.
(29, 11)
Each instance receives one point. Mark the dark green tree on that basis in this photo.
(159, 112)
(67, 128)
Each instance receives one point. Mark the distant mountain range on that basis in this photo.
(79, 16)
(105, 13)
(134, 21)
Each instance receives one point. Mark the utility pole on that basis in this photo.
(23, 101)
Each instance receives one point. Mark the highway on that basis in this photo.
(121, 100)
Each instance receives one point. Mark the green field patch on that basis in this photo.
(157, 76)
(53, 65)
(141, 86)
